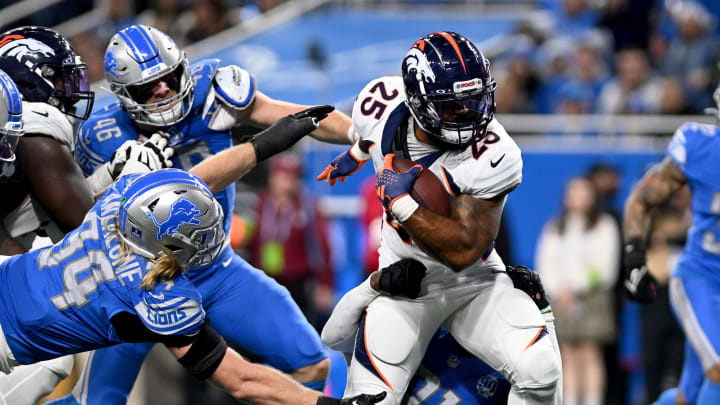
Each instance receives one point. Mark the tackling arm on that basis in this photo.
(334, 129)
(658, 184)
(461, 239)
(55, 180)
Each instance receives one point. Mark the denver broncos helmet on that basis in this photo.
(138, 57)
(171, 211)
(450, 91)
(46, 69)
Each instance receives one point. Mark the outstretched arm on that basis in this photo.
(334, 129)
(224, 168)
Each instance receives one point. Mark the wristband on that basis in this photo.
(359, 154)
(404, 207)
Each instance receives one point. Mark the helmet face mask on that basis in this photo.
(136, 59)
(449, 89)
(171, 211)
(46, 69)
(11, 125)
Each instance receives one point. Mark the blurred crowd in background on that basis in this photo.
(588, 57)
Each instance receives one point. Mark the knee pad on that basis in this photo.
(62, 366)
(389, 335)
(538, 369)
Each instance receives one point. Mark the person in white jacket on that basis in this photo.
(577, 257)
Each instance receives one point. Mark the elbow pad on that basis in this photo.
(205, 354)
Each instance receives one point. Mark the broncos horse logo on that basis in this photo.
(417, 60)
(18, 47)
(181, 212)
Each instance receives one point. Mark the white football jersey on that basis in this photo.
(487, 169)
(28, 217)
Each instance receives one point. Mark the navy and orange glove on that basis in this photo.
(393, 189)
(347, 163)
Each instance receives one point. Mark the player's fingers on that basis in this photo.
(387, 163)
(332, 181)
(324, 175)
(342, 179)
(378, 397)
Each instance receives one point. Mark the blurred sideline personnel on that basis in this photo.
(139, 241)
(195, 107)
(440, 114)
(693, 159)
(41, 178)
(448, 372)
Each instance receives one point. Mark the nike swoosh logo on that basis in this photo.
(45, 114)
(227, 262)
(497, 162)
(158, 297)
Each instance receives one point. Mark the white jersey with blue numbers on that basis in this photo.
(695, 149)
(60, 299)
(219, 92)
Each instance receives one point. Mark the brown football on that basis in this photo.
(428, 190)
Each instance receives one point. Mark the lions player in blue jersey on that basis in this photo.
(693, 159)
(122, 276)
(195, 106)
(448, 373)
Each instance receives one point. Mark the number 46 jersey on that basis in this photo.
(695, 149)
(60, 299)
(489, 168)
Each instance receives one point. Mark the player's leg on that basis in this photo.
(696, 301)
(503, 327)
(25, 385)
(108, 376)
(390, 344)
(253, 311)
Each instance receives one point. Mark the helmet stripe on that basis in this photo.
(13, 97)
(142, 47)
(455, 46)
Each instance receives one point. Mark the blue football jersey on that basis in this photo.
(449, 375)
(60, 299)
(695, 149)
(192, 138)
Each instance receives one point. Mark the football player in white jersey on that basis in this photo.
(440, 114)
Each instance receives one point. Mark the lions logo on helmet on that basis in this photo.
(181, 212)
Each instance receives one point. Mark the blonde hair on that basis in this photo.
(166, 267)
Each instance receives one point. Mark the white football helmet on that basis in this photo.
(135, 60)
(11, 125)
(172, 211)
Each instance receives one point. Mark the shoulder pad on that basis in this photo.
(234, 86)
(490, 168)
(374, 105)
(44, 119)
(171, 308)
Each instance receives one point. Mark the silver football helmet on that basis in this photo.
(11, 124)
(136, 60)
(172, 211)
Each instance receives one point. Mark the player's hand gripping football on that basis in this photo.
(347, 163)
(393, 189)
(529, 281)
(286, 131)
(639, 283)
